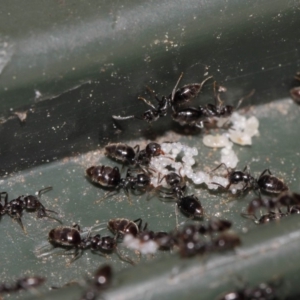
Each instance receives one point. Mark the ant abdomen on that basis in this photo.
(121, 152)
(189, 116)
(191, 206)
(270, 184)
(121, 226)
(65, 236)
(104, 175)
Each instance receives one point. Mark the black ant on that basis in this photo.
(102, 279)
(176, 98)
(290, 200)
(70, 238)
(295, 92)
(177, 184)
(110, 177)
(264, 291)
(195, 117)
(236, 177)
(25, 283)
(125, 228)
(15, 207)
(190, 240)
(189, 205)
(266, 182)
(122, 226)
(125, 153)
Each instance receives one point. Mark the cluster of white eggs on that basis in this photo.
(179, 158)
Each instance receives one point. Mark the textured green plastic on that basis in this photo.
(70, 65)
(268, 252)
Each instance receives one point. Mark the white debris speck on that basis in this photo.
(148, 247)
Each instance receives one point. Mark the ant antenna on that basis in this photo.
(243, 98)
(147, 102)
(44, 190)
(175, 87)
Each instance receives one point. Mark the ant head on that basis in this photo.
(108, 243)
(154, 149)
(226, 111)
(32, 202)
(150, 116)
(173, 179)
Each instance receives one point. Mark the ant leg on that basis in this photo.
(199, 125)
(264, 172)
(176, 216)
(224, 187)
(78, 253)
(221, 164)
(128, 196)
(5, 198)
(77, 226)
(139, 222)
(105, 196)
(153, 93)
(243, 98)
(18, 219)
(42, 191)
(124, 257)
(253, 217)
(147, 102)
(175, 87)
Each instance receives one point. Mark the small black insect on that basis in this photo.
(122, 226)
(236, 177)
(189, 205)
(15, 207)
(24, 283)
(128, 154)
(266, 183)
(71, 238)
(274, 207)
(214, 225)
(264, 291)
(174, 100)
(110, 177)
(176, 183)
(190, 239)
(196, 117)
(101, 281)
